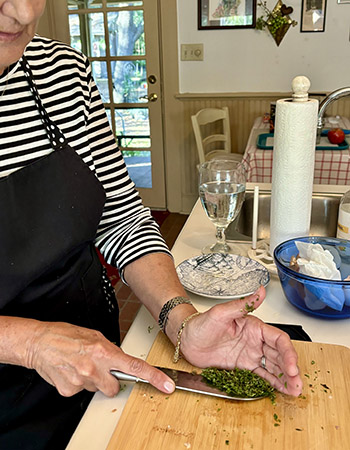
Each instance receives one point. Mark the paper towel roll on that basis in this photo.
(293, 169)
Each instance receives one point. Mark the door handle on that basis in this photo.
(151, 97)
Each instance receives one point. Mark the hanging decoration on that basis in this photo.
(276, 21)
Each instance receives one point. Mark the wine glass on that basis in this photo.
(221, 190)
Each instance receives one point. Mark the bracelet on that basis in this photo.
(167, 307)
(179, 334)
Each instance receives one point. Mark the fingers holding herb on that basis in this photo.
(281, 361)
(280, 342)
(281, 382)
(227, 336)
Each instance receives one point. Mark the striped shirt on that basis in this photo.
(66, 88)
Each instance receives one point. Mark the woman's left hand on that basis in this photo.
(226, 336)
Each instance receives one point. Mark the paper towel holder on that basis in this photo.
(300, 88)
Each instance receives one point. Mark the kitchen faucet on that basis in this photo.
(342, 92)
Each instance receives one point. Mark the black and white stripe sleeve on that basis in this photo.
(127, 230)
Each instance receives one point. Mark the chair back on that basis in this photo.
(211, 128)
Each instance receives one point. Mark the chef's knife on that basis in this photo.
(185, 381)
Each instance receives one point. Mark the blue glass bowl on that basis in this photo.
(316, 296)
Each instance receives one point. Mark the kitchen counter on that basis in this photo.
(100, 419)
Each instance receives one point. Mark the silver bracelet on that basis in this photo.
(167, 307)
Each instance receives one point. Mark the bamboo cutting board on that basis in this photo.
(319, 420)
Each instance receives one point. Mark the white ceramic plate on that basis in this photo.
(222, 276)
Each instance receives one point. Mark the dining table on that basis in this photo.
(332, 162)
(103, 414)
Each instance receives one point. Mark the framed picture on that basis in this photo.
(313, 15)
(226, 14)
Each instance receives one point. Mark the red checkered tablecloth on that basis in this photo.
(331, 166)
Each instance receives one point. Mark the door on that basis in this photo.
(121, 39)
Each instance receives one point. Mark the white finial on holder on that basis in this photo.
(300, 87)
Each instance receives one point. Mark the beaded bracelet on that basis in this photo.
(179, 334)
(167, 307)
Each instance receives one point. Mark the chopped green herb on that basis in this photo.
(238, 383)
(299, 429)
(280, 375)
(227, 442)
(249, 308)
(285, 384)
(275, 416)
(276, 424)
(166, 398)
(306, 375)
(312, 362)
(149, 328)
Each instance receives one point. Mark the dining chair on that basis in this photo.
(211, 128)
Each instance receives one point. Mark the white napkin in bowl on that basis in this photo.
(315, 261)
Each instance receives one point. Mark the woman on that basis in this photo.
(64, 189)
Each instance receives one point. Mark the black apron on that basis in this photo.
(50, 271)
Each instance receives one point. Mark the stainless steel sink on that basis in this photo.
(324, 215)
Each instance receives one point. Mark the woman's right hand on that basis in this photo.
(73, 358)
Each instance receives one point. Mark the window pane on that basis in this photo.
(87, 33)
(126, 33)
(132, 128)
(129, 81)
(83, 4)
(74, 31)
(97, 44)
(99, 72)
(109, 116)
(139, 167)
(123, 3)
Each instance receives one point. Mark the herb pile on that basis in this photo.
(238, 383)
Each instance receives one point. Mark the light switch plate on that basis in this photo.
(191, 52)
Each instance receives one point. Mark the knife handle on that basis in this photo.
(126, 377)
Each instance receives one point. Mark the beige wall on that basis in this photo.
(248, 60)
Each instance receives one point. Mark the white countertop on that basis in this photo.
(102, 415)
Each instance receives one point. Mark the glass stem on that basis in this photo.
(220, 235)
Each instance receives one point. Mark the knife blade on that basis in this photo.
(185, 381)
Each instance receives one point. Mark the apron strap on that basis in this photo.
(54, 134)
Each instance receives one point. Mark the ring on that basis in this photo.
(263, 362)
